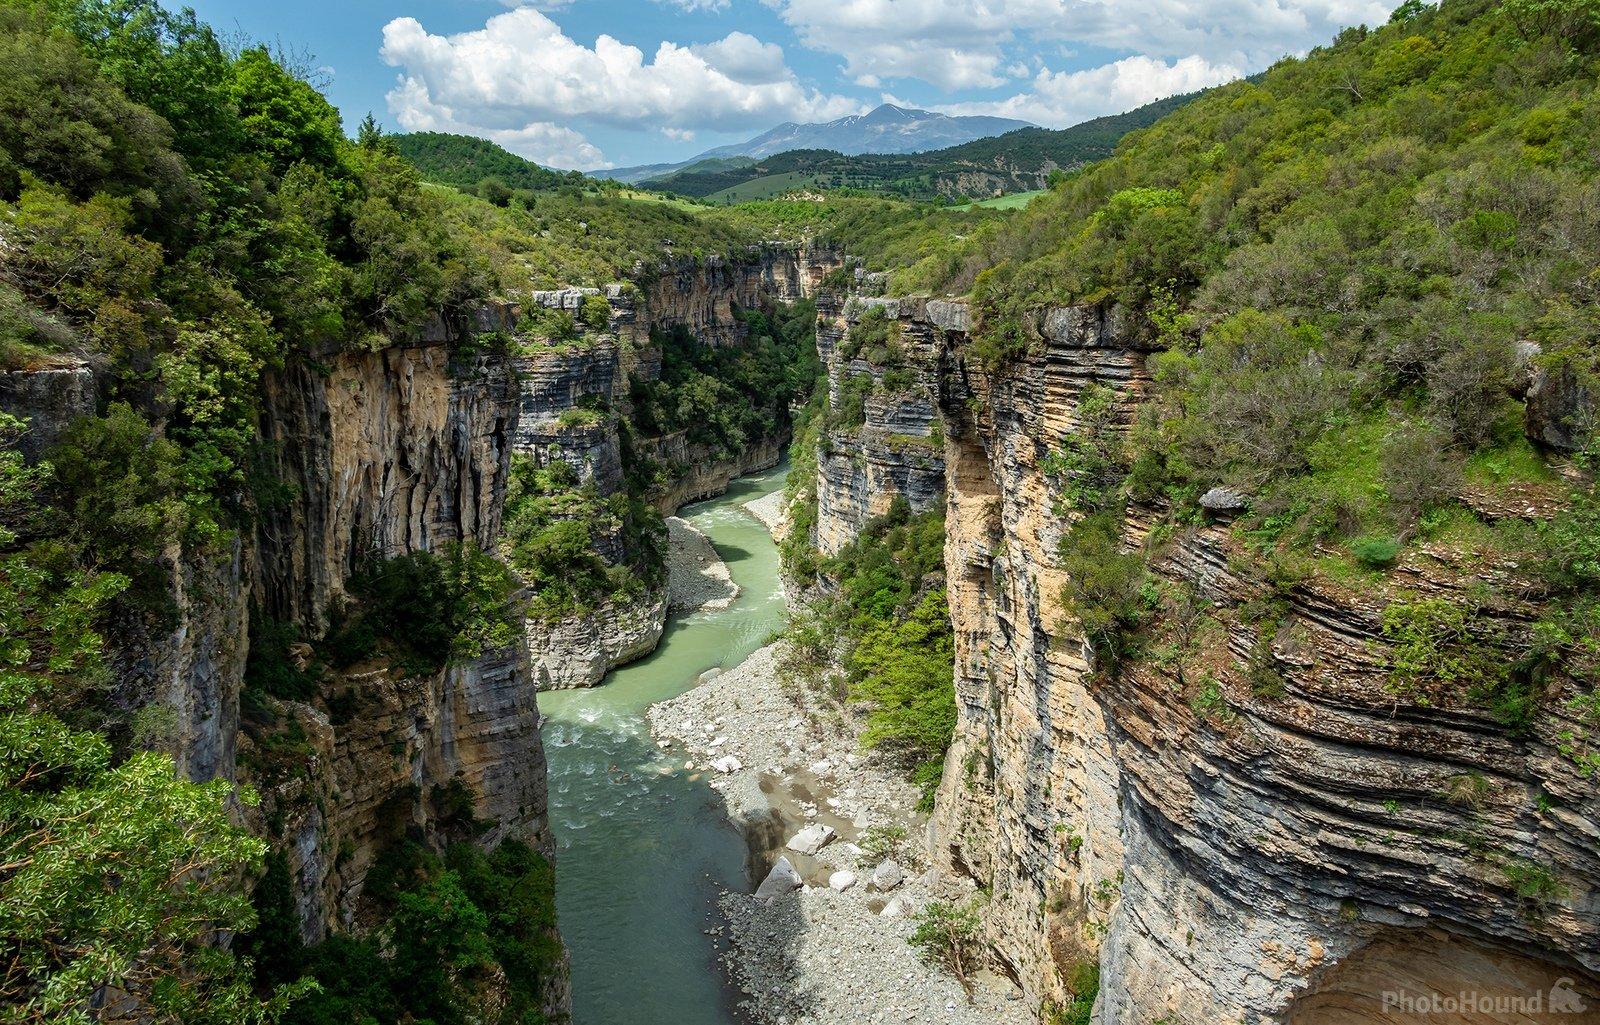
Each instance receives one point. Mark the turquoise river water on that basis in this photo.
(641, 850)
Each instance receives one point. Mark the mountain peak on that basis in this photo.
(888, 112)
(888, 128)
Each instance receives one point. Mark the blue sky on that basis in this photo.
(591, 83)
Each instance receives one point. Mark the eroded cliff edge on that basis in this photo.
(1222, 849)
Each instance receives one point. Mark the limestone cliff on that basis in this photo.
(369, 454)
(1225, 850)
(895, 451)
(574, 407)
(388, 453)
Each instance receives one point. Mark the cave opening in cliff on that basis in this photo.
(1431, 977)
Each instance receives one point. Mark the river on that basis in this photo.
(643, 847)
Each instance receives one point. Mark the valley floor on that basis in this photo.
(819, 954)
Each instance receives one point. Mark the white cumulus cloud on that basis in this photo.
(520, 77)
(1059, 99)
(957, 44)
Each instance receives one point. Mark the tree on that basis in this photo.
(946, 935)
(118, 880)
(495, 191)
(284, 117)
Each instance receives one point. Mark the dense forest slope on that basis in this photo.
(465, 161)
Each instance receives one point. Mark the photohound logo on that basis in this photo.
(1565, 1000)
(1562, 999)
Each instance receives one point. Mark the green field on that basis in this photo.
(1015, 201)
(769, 187)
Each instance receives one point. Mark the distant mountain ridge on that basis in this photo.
(887, 129)
(1017, 161)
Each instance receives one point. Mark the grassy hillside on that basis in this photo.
(1339, 261)
(1015, 162)
(1014, 201)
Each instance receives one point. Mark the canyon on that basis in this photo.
(1181, 604)
(1284, 857)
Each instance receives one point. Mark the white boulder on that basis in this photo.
(887, 876)
(811, 839)
(841, 881)
(783, 879)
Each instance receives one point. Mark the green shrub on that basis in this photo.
(431, 608)
(1088, 467)
(1375, 551)
(1105, 586)
(596, 312)
(851, 412)
(547, 324)
(1084, 984)
(454, 932)
(903, 670)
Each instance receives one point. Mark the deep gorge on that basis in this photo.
(1181, 610)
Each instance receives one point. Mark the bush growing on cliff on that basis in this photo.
(1105, 588)
(871, 336)
(550, 532)
(904, 670)
(947, 936)
(850, 414)
(1088, 468)
(466, 935)
(429, 608)
(889, 627)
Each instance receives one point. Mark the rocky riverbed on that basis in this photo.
(773, 512)
(827, 942)
(697, 577)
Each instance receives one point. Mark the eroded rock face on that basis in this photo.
(392, 452)
(1562, 406)
(579, 652)
(1249, 853)
(897, 451)
(384, 749)
(49, 399)
(385, 453)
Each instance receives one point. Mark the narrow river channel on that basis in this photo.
(642, 845)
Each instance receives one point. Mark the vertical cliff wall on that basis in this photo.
(894, 449)
(1224, 850)
(384, 454)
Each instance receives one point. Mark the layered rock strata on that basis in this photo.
(896, 450)
(1258, 828)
